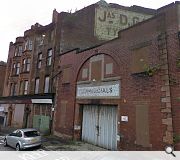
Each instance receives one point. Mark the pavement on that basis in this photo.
(53, 143)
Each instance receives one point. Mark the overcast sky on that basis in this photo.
(16, 16)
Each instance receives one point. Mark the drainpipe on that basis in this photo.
(53, 101)
(74, 112)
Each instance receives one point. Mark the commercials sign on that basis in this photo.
(104, 90)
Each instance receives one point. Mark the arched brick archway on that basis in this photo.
(97, 101)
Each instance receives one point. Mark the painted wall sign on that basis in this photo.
(124, 118)
(109, 21)
(104, 90)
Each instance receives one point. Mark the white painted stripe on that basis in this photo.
(79, 155)
(1, 142)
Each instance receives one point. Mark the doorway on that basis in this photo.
(99, 125)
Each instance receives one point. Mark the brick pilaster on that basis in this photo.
(165, 88)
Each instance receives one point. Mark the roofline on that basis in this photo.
(89, 48)
(74, 49)
(168, 5)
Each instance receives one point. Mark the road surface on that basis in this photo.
(2, 148)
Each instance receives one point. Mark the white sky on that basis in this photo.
(18, 15)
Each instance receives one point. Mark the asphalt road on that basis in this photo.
(2, 148)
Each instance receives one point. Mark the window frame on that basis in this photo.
(49, 57)
(28, 45)
(47, 89)
(13, 89)
(39, 62)
(26, 65)
(36, 87)
(25, 88)
(17, 71)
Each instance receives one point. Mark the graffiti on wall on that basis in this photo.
(109, 21)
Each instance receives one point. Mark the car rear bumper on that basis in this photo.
(25, 146)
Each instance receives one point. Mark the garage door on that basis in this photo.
(100, 125)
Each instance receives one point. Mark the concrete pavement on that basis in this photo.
(53, 143)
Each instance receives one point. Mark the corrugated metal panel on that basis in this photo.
(108, 127)
(90, 115)
(100, 125)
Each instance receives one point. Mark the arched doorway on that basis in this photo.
(98, 94)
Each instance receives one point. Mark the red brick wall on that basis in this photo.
(77, 30)
(2, 77)
(173, 44)
(135, 89)
(8, 69)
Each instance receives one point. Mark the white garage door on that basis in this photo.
(100, 125)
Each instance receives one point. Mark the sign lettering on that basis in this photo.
(109, 21)
(106, 90)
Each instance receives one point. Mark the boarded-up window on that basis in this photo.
(139, 60)
(109, 68)
(85, 73)
(96, 70)
(63, 113)
(142, 125)
(66, 75)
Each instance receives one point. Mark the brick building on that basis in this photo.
(3, 73)
(33, 60)
(2, 77)
(124, 94)
(95, 24)
(28, 92)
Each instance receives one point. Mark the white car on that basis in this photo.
(23, 138)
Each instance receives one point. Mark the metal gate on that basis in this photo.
(99, 125)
